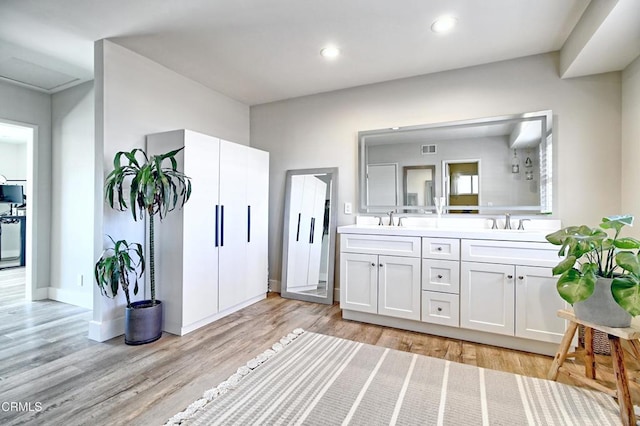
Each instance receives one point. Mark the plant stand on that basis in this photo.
(621, 393)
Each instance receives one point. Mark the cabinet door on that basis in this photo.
(359, 282)
(399, 287)
(200, 255)
(487, 297)
(257, 222)
(233, 224)
(537, 303)
(315, 234)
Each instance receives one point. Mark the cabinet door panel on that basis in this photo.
(200, 255)
(399, 287)
(487, 297)
(359, 282)
(233, 227)
(257, 222)
(537, 302)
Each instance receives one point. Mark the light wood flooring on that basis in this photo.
(46, 358)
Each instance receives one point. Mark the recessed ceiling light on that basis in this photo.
(330, 52)
(444, 24)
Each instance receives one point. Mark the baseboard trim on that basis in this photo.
(71, 297)
(40, 293)
(101, 331)
(275, 286)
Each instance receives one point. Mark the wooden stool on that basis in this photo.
(621, 393)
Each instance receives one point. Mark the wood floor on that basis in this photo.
(46, 358)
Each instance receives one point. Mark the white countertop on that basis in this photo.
(448, 232)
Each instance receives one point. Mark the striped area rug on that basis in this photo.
(321, 380)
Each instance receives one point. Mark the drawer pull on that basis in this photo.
(439, 249)
(439, 275)
(439, 309)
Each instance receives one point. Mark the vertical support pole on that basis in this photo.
(561, 355)
(589, 359)
(627, 416)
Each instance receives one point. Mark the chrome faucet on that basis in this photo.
(391, 218)
(507, 221)
(400, 220)
(379, 220)
(521, 224)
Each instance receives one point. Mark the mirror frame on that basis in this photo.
(545, 117)
(333, 217)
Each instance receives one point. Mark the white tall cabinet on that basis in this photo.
(211, 256)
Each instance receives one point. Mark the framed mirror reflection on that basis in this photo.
(309, 234)
(475, 166)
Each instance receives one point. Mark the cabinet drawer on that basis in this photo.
(380, 244)
(441, 248)
(441, 275)
(510, 252)
(441, 308)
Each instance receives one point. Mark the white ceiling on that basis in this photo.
(259, 51)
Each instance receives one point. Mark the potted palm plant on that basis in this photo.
(600, 274)
(147, 186)
(115, 269)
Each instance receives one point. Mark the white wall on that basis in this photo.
(13, 161)
(321, 130)
(631, 143)
(21, 105)
(72, 215)
(134, 97)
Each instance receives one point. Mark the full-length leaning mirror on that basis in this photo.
(309, 234)
(475, 166)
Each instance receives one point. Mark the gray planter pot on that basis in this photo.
(143, 322)
(601, 308)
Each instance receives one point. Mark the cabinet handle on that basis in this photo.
(311, 229)
(520, 277)
(248, 224)
(439, 275)
(381, 265)
(222, 226)
(373, 264)
(217, 210)
(509, 276)
(439, 309)
(439, 249)
(298, 231)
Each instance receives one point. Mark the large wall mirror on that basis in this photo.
(476, 166)
(309, 234)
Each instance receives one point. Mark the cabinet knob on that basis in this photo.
(439, 309)
(439, 249)
(373, 264)
(439, 275)
(509, 276)
(520, 277)
(381, 265)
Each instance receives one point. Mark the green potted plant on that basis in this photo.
(600, 274)
(117, 266)
(151, 186)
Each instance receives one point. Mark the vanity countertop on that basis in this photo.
(448, 232)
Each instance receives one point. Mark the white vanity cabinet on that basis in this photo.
(441, 281)
(211, 255)
(506, 287)
(380, 275)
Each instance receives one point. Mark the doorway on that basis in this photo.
(462, 185)
(17, 215)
